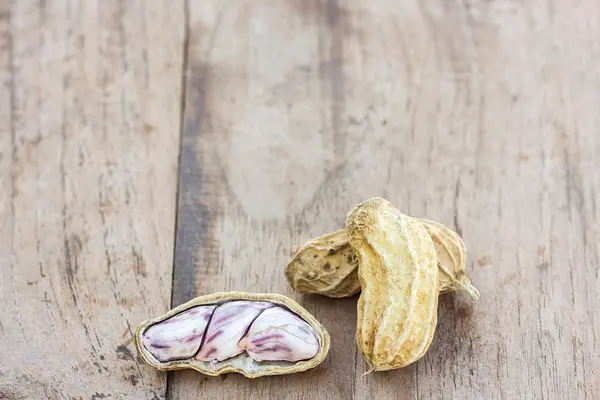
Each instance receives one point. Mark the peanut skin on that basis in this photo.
(254, 334)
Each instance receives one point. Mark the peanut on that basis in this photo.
(328, 265)
(398, 274)
(249, 333)
(451, 255)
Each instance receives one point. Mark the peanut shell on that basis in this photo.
(398, 273)
(451, 255)
(328, 265)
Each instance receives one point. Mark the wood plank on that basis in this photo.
(89, 145)
(481, 115)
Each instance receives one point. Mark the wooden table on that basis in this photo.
(153, 151)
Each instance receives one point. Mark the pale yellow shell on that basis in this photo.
(397, 309)
(328, 265)
(451, 255)
(242, 363)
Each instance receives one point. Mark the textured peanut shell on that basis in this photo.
(242, 363)
(398, 273)
(328, 265)
(451, 255)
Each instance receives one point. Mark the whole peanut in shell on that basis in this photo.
(398, 274)
(328, 265)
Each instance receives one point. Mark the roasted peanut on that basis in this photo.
(253, 334)
(398, 274)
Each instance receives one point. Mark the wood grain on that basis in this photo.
(90, 107)
(481, 115)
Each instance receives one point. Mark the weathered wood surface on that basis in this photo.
(89, 141)
(480, 114)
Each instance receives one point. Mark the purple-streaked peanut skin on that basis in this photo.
(280, 335)
(228, 325)
(265, 331)
(242, 363)
(180, 336)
